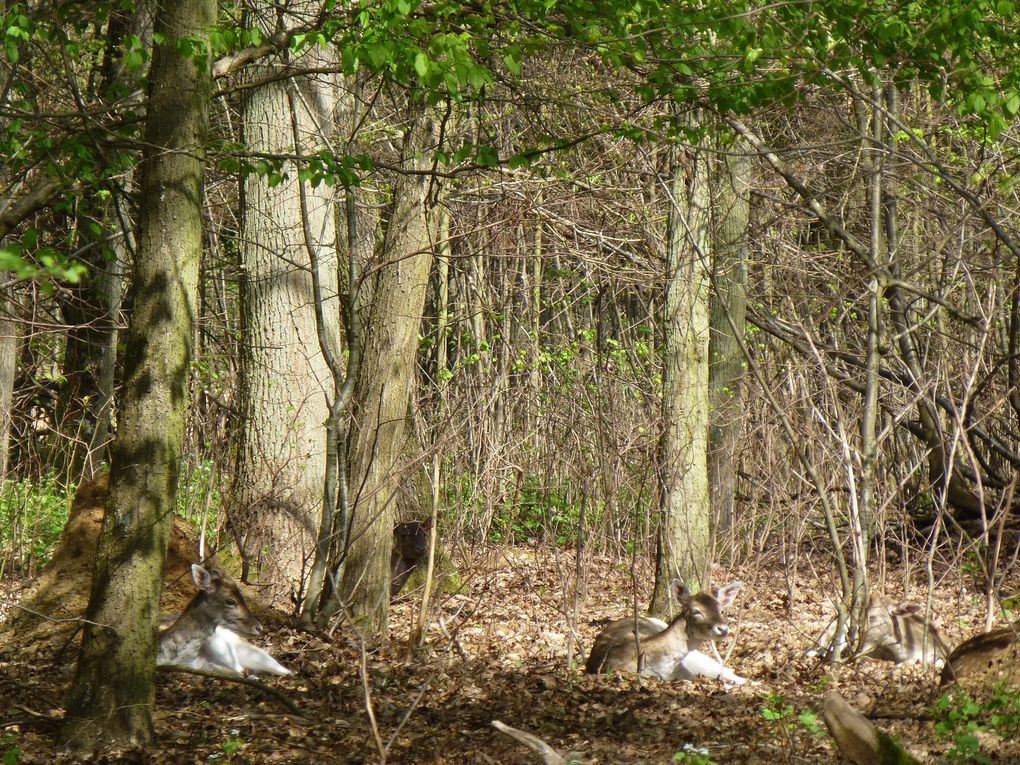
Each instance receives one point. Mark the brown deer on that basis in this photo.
(897, 633)
(210, 633)
(660, 651)
(410, 548)
(985, 659)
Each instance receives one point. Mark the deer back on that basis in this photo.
(218, 603)
(645, 646)
(985, 658)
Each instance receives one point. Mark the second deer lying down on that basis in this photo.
(668, 652)
(896, 633)
(210, 633)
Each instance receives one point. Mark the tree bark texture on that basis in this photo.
(383, 387)
(731, 211)
(683, 536)
(111, 700)
(286, 384)
(10, 339)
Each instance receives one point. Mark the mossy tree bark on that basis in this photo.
(731, 213)
(111, 700)
(683, 534)
(383, 386)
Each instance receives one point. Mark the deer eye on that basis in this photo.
(231, 603)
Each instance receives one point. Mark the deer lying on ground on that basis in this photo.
(985, 659)
(410, 548)
(895, 633)
(210, 633)
(668, 651)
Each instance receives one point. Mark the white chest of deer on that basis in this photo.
(211, 631)
(658, 652)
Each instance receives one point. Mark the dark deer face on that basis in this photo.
(410, 548)
(411, 541)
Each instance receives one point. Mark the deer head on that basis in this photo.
(410, 547)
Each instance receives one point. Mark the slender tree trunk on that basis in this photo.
(732, 208)
(92, 307)
(111, 700)
(382, 389)
(683, 535)
(10, 339)
(286, 385)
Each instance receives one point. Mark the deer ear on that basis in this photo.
(680, 591)
(203, 579)
(725, 595)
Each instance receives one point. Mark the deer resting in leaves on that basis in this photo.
(897, 633)
(211, 632)
(668, 651)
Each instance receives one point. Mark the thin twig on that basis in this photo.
(234, 677)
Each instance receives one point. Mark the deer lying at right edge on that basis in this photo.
(668, 652)
(210, 633)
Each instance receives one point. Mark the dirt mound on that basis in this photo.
(46, 620)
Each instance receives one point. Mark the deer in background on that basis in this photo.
(410, 548)
(897, 633)
(210, 633)
(668, 651)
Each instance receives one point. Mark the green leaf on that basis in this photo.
(486, 156)
(421, 64)
(512, 61)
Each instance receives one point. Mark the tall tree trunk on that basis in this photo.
(731, 209)
(683, 536)
(92, 307)
(286, 384)
(383, 386)
(10, 339)
(111, 701)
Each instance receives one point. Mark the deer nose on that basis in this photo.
(257, 629)
(722, 630)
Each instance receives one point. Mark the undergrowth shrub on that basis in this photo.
(959, 717)
(32, 516)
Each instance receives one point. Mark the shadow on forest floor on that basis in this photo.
(501, 653)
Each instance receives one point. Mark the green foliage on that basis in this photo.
(44, 265)
(233, 744)
(538, 512)
(692, 755)
(33, 514)
(199, 494)
(786, 720)
(959, 717)
(10, 753)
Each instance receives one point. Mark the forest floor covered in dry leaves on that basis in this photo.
(510, 646)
